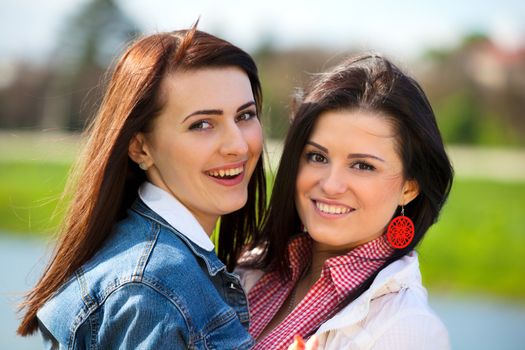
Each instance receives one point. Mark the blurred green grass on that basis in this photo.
(29, 195)
(478, 244)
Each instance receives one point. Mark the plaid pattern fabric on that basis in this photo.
(339, 277)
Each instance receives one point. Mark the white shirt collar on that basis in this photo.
(400, 273)
(175, 213)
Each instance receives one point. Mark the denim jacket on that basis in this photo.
(148, 287)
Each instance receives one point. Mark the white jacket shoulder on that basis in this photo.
(393, 314)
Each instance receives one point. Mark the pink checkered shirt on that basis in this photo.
(339, 277)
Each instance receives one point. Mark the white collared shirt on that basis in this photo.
(392, 314)
(175, 213)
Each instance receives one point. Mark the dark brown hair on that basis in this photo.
(374, 84)
(108, 180)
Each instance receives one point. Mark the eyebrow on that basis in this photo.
(350, 155)
(216, 111)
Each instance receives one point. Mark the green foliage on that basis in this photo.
(478, 243)
(459, 118)
(29, 195)
(436, 54)
(274, 116)
(475, 38)
(463, 121)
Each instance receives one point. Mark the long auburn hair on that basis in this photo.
(107, 180)
(370, 83)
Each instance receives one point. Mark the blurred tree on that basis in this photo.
(474, 38)
(282, 73)
(461, 118)
(478, 92)
(21, 101)
(477, 89)
(90, 40)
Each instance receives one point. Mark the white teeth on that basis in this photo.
(226, 172)
(331, 209)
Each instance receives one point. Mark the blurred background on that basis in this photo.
(469, 56)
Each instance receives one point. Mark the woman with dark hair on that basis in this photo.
(363, 175)
(172, 149)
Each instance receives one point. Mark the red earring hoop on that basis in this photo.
(400, 231)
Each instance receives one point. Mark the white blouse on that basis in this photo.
(393, 314)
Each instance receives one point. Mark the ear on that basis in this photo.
(138, 150)
(410, 191)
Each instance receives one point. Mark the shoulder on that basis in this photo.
(131, 315)
(406, 319)
(398, 320)
(393, 314)
(140, 259)
(155, 252)
(138, 311)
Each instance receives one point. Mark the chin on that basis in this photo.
(229, 205)
(328, 237)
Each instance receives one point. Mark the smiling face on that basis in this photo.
(205, 144)
(350, 179)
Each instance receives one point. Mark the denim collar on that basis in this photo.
(175, 213)
(213, 263)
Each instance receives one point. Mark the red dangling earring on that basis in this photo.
(400, 231)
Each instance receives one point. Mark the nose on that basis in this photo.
(334, 183)
(233, 141)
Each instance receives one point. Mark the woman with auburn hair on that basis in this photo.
(175, 146)
(363, 176)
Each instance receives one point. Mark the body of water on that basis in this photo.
(473, 323)
(481, 323)
(22, 261)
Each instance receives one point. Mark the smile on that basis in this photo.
(225, 173)
(332, 209)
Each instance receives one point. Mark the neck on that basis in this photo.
(320, 254)
(207, 223)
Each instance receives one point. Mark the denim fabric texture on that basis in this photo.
(149, 287)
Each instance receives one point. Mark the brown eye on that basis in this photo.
(201, 125)
(363, 166)
(315, 157)
(247, 115)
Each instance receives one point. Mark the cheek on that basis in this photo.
(180, 160)
(254, 138)
(385, 197)
(302, 183)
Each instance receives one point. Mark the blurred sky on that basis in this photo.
(29, 28)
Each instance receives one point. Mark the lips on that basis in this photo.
(226, 173)
(332, 208)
